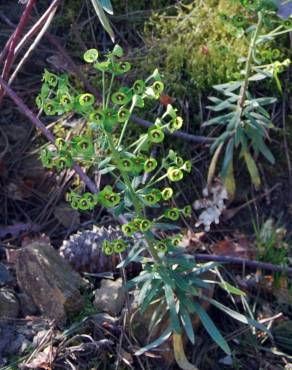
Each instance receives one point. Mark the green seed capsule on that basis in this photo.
(167, 193)
(138, 165)
(97, 117)
(176, 241)
(288, 24)
(172, 214)
(118, 51)
(145, 225)
(128, 229)
(50, 78)
(112, 199)
(61, 144)
(50, 108)
(66, 101)
(63, 162)
(47, 158)
(90, 56)
(187, 166)
(238, 20)
(119, 98)
(155, 135)
(107, 248)
(224, 17)
(150, 165)
(187, 211)
(119, 246)
(139, 87)
(161, 247)
(175, 124)
(83, 145)
(150, 199)
(39, 101)
(91, 198)
(123, 114)
(110, 116)
(123, 67)
(86, 100)
(179, 161)
(174, 174)
(84, 204)
(75, 203)
(126, 164)
(158, 87)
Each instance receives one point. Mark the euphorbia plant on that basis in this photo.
(169, 275)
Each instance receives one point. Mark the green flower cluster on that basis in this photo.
(116, 246)
(108, 118)
(87, 201)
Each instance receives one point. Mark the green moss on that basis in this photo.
(196, 47)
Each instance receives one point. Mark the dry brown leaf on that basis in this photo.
(193, 241)
(239, 247)
(43, 360)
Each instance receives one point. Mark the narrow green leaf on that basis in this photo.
(107, 6)
(266, 152)
(156, 343)
(220, 120)
(212, 329)
(228, 157)
(171, 305)
(144, 290)
(200, 269)
(213, 164)
(252, 169)
(152, 295)
(103, 18)
(229, 180)
(221, 106)
(187, 324)
(221, 139)
(133, 256)
(236, 315)
(231, 289)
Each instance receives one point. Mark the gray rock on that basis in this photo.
(19, 345)
(48, 280)
(5, 276)
(27, 307)
(110, 297)
(7, 336)
(9, 304)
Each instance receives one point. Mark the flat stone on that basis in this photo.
(5, 275)
(49, 282)
(110, 297)
(9, 304)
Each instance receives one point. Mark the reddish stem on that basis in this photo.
(13, 43)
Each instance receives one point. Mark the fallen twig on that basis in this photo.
(12, 42)
(244, 262)
(179, 134)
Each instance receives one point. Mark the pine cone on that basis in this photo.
(83, 250)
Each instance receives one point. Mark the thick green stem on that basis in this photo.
(248, 65)
(135, 200)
